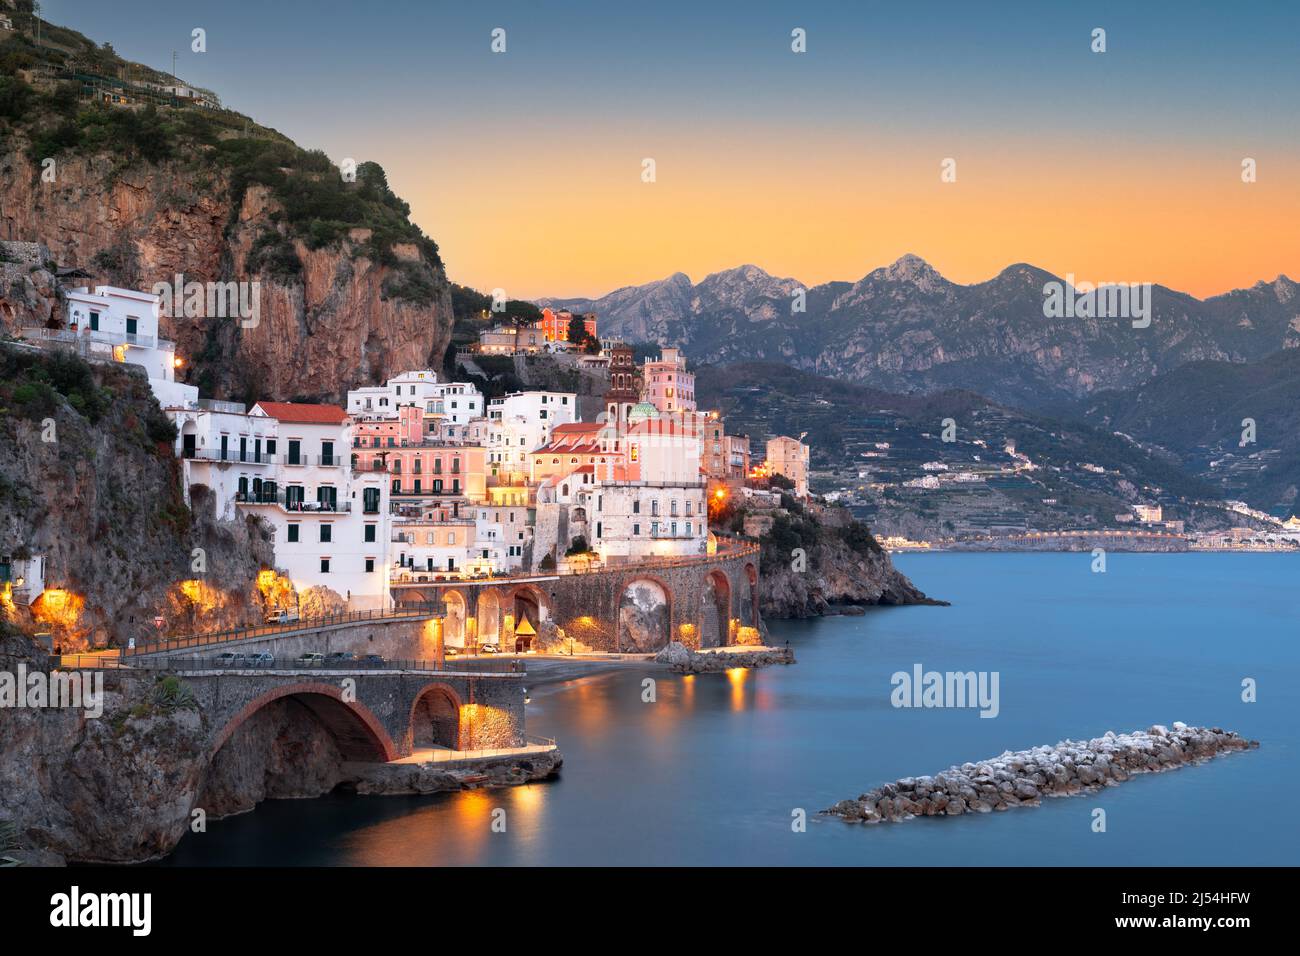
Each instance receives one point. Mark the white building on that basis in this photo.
(122, 325)
(521, 422)
(331, 526)
(226, 449)
(456, 402)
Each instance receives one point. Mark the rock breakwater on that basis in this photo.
(1024, 777)
(682, 660)
(393, 779)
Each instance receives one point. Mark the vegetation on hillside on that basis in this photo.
(320, 202)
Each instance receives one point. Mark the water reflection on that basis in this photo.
(709, 773)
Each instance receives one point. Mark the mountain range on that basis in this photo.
(905, 328)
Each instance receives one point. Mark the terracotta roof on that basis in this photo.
(303, 413)
(576, 427)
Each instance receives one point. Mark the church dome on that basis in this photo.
(640, 412)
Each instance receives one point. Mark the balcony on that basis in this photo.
(229, 457)
(679, 535)
(282, 501)
(320, 461)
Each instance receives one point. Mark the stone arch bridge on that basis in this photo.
(373, 715)
(707, 600)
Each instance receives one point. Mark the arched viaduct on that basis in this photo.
(703, 601)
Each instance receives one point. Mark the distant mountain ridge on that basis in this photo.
(1197, 414)
(904, 327)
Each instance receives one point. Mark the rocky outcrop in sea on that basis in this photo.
(682, 660)
(1024, 777)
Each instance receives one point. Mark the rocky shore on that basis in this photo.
(1023, 778)
(393, 779)
(682, 660)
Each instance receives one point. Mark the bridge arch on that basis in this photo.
(715, 610)
(749, 599)
(358, 732)
(489, 614)
(435, 718)
(645, 613)
(457, 611)
(524, 602)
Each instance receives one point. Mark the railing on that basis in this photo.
(282, 500)
(404, 612)
(531, 744)
(232, 661)
(229, 457)
(216, 405)
(323, 461)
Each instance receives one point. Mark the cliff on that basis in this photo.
(817, 558)
(88, 480)
(348, 290)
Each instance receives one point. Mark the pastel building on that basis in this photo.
(555, 324)
(519, 423)
(789, 457)
(666, 383)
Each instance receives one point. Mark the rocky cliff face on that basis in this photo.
(836, 576)
(905, 327)
(339, 323)
(818, 559)
(88, 480)
(113, 788)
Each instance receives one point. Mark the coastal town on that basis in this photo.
(415, 455)
(419, 484)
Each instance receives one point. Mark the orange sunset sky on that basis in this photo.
(524, 166)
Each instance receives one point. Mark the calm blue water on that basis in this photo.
(710, 773)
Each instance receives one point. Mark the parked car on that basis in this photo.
(451, 651)
(311, 660)
(229, 659)
(261, 659)
(340, 657)
(282, 615)
(489, 648)
(374, 660)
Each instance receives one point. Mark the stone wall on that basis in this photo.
(707, 601)
(404, 640)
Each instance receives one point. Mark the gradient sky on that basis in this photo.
(525, 166)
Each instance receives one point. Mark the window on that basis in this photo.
(370, 565)
(324, 565)
(295, 451)
(636, 529)
(451, 537)
(370, 532)
(293, 532)
(326, 532)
